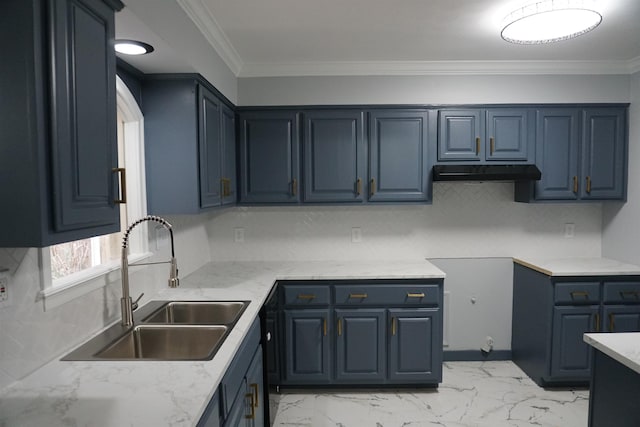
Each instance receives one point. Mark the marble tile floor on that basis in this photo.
(472, 394)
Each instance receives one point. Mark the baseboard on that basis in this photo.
(475, 355)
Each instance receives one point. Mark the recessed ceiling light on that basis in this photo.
(550, 21)
(132, 47)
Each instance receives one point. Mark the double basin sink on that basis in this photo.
(166, 330)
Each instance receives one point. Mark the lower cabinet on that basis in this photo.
(551, 315)
(361, 333)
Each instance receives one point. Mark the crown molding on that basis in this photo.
(422, 68)
(212, 31)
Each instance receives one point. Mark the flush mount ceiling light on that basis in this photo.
(550, 21)
(132, 47)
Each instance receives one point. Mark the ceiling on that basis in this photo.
(345, 37)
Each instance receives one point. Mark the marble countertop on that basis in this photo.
(579, 266)
(121, 393)
(623, 347)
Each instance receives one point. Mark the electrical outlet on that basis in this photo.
(356, 235)
(569, 230)
(238, 235)
(4, 289)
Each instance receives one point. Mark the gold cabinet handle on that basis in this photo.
(393, 326)
(324, 326)
(575, 184)
(123, 185)
(477, 145)
(612, 322)
(583, 294)
(492, 143)
(597, 322)
(634, 294)
(418, 295)
(294, 187)
(254, 386)
(340, 327)
(226, 187)
(358, 186)
(588, 184)
(252, 415)
(373, 186)
(357, 296)
(306, 296)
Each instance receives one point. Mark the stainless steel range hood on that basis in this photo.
(486, 173)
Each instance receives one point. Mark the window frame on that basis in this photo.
(58, 292)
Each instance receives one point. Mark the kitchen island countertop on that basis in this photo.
(132, 393)
(579, 266)
(623, 347)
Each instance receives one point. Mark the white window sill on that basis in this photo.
(76, 285)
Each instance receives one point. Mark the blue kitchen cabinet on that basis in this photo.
(189, 139)
(361, 346)
(570, 355)
(581, 153)
(479, 135)
(307, 346)
(413, 334)
(552, 313)
(269, 157)
(211, 416)
(399, 156)
(58, 120)
(334, 156)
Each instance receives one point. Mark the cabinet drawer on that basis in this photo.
(387, 295)
(622, 292)
(306, 294)
(577, 293)
(234, 378)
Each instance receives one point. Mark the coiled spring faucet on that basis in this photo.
(126, 304)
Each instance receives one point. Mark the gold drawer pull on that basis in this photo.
(492, 141)
(612, 322)
(340, 327)
(306, 296)
(373, 186)
(358, 186)
(294, 187)
(624, 294)
(252, 415)
(588, 184)
(393, 326)
(597, 322)
(123, 185)
(360, 296)
(418, 295)
(324, 327)
(583, 294)
(477, 145)
(575, 184)
(254, 386)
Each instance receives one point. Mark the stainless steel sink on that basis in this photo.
(198, 313)
(164, 342)
(166, 330)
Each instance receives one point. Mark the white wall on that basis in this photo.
(621, 231)
(432, 89)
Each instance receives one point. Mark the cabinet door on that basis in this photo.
(557, 154)
(210, 148)
(603, 164)
(570, 355)
(398, 156)
(229, 183)
(621, 318)
(83, 115)
(238, 413)
(360, 345)
(269, 162)
(460, 134)
(334, 156)
(255, 392)
(211, 416)
(415, 345)
(273, 346)
(507, 135)
(307, 345)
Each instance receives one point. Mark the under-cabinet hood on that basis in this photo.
(486, 173)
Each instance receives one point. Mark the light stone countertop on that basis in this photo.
(579, 266)
(122, 393)
(623, 347)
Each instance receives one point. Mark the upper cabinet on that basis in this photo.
(491, 135)
(189, 146)
(269, 156)
(581, 153)
(58, 161)
(398, 156)
(334, 156)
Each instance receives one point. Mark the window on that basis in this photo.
(73, 265)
